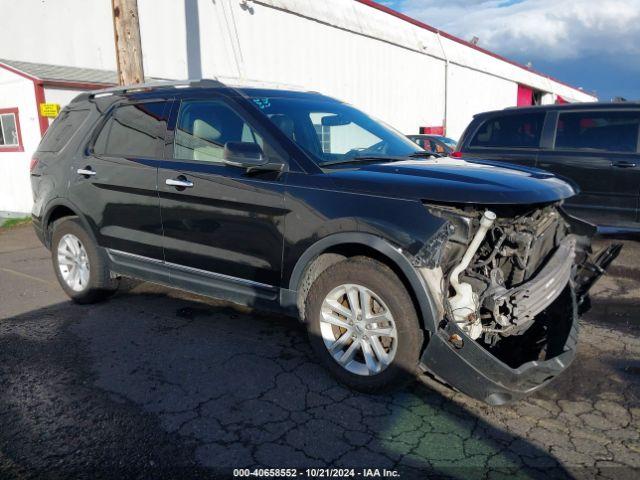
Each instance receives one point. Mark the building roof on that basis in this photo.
(59, 74)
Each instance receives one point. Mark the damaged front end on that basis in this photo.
(508, 283)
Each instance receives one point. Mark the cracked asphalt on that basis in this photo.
(156, 383)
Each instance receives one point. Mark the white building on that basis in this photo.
(400, 70)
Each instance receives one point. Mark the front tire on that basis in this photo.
(363, 325)
(81, 267)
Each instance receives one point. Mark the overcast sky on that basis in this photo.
(594, 44)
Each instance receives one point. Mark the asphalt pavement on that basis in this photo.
(156, 383)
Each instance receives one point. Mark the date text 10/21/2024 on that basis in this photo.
(315, 473)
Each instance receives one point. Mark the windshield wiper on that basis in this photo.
(364, 158)
(425, 154)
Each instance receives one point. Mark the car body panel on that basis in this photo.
(455, 181)
(318, 208)
(227, 222)
(121, 203)
(249, 236)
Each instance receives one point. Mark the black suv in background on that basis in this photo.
(596, 145)
(296, 202)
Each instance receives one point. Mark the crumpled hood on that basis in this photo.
(456, 181)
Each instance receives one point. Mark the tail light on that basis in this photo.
(456, 154)
(32, 165)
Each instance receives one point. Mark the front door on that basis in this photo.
(598, 151)
(223, 225)
(114, 184)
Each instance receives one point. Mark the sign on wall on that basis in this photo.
(49, 110)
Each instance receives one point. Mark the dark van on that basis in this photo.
(595, 145)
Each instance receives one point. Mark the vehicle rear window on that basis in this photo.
(135, 130)
(62, 129)
(606, 131)
(514, 131)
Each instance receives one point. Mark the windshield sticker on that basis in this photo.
(262, 103)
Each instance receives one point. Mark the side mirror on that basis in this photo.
(243, 154)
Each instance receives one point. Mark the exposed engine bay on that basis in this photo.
(507, 276)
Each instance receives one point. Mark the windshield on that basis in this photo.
(332, 132)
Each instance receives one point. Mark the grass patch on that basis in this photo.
(15, 222)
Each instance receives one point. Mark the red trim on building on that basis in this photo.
(39, 86)
(20, 146)
(525, 96)
(39, 94)
(420, 24)
(432, 130)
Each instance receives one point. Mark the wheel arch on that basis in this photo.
(331, 249)
(61, 208)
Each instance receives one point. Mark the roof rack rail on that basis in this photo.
(579, 105)
(140, 87)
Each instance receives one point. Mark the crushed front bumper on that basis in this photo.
(476, 372)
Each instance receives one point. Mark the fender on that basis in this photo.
(63, 202)
(393, 253)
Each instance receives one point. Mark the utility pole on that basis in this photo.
(126, 31)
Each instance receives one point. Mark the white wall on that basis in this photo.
(472, 92)
(377, 62)
(390, 68)
(380, 63)
(62, 32)
(397, 85)
(15, 185)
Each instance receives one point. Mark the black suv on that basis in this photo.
(596, 145)
(295, 202)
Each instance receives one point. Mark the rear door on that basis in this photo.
(598, 150)
(224, 227)
(114, 184)
(511, 137)
(53, 154)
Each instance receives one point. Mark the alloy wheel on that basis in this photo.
(73, 262)
(358, 329)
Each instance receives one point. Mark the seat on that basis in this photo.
(206, 145)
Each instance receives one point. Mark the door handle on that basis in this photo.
(180, 182)
(623, 164)
(87, 172)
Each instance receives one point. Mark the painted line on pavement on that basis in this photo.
(30, 277)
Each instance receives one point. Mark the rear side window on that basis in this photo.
(135, 130)
(62, 129)
(512, 131)
(606, 131)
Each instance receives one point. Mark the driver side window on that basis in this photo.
(205, 126)
(336, 138)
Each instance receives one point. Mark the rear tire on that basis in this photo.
(374, 344)
(80, 266)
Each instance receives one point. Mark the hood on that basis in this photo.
(455, 181)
